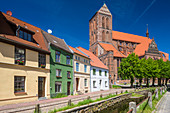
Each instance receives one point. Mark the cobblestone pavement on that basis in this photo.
(164, 105)
(50, 104)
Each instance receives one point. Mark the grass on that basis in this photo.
(59, 95)
(145, 108)
(115, 86)
(136, 95)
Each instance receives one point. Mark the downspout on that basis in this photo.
(18, 30)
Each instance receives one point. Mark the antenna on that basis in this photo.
(49, 31)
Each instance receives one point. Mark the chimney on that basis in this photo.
(9, 13)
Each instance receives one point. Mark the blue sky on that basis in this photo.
(68, 19)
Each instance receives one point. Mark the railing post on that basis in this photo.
(132, 105)
(101, 95)
(69, 102)
(37, 108)
(88, 98)
(161, 91)
(150, 99)
(156, 95)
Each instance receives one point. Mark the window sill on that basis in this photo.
(69, 77)
(58, 76)
(20, 93)
(86, 87)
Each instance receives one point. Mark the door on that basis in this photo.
(77, 83)
(68, 88)
(41, 86)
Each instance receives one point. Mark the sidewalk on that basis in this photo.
(50, 104)
(165, 103)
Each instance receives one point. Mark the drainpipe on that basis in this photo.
(18, 30)
(73, 76)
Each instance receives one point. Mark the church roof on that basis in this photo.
(104, 10)
(143, 42)
(95, 61)
(110, 47)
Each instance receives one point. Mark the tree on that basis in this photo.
(167, 76)
(162, 73)
(129, 67)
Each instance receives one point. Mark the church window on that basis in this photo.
(103, 23)
(120, 48)
(107, 35)
(103, 36)
(107, 23)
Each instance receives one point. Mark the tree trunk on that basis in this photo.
(166, 81)
(131, 82)
(153, 81)
(140, 82)
(163, 81)
(159, 81)
(147, 82)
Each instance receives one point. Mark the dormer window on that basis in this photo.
(26, 36)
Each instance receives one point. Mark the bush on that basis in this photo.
(115, 86)
(59, 95)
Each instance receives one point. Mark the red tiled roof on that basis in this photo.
(143, 42)
(78, 52)
(38, 36)
(110, 47)
(95, 61)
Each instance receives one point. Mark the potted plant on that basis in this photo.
(20, 62)
(42, 65)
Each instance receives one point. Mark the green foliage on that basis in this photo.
(136, 95)
(115, 86)
(60, 95)
(129, 67)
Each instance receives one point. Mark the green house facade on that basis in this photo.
(61, 66)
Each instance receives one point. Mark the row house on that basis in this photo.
(99, 73)
(81, 72)
(24, 62)
(61, 66)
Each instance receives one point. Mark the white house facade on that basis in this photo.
(99, 79)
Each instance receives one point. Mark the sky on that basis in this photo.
(69, 19)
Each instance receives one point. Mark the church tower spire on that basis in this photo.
(147, 32)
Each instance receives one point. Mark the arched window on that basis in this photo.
(107, 36)
(103, 22)
(107, 23)
(103, 36)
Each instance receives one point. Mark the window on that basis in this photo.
(106, 73)
(100, 72)
(120, 43)
(107, 23)
(68, 74)
(68, 60)
(19, 84)
(76, 57)
(103, 36)
(42, 60)
(103, 22)
(85, 82)
(26, 36)
(19, 56)
(58, 72)
(105, 83)
(85, 68)
(120, 48)
(100, 82)
(79, 58)
(94, 71)
(94, 84)
(77, 66)
(57, 58)
(58, 87)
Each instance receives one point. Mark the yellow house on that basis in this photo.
(81, 72)
(24, 62)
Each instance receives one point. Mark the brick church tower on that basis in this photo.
(100, 28)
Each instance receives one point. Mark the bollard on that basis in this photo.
(100, 95)
(69, 102)
(150, 99)
(156, 93)
(121, 91)
(88, 98)
(132, 105)
(37, 108)
(161, 91)
(116, 92)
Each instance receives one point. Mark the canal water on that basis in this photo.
(123, 106)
